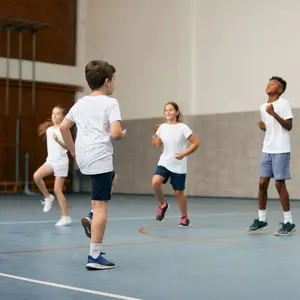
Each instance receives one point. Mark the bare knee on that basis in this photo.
(280, 185)
(57, 190)
(263, 185)
(179, 194)
(156, 184)
(36, 177)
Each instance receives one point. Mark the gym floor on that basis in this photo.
(214, 259)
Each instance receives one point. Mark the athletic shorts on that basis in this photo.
(275, 166)
(58, 170)
(177, 180)
(102, 185)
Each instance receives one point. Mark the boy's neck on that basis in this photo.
(99, 92)
(273, 98)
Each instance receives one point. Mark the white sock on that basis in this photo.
(262, 215)
(91, 211)
(95, 249)
(288, 217)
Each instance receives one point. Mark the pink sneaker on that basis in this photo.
(185, 222)
(161, 210)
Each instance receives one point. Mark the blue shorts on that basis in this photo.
(275, 166)
(177, 180)
(102, 185)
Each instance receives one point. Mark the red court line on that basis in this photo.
(86, 247)
(216, 238)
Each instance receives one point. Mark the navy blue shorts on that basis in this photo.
(177, 180)
(101, 186)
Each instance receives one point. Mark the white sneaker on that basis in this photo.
(64, 221)
(48, 203)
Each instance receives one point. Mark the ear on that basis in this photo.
(106, 81)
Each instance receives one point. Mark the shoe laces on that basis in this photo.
(159, 210)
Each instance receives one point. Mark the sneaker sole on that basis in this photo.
(182, 226)
(258, 230)
(287, 234)
(93, 266)
(86, 226)
(165, 214)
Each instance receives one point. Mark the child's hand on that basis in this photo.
(55, 137)
(180, 156)
(261, 125)
(155, 128)
(156, 141)
(124, 132)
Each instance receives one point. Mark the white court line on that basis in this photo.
(129, 219)
(68, 287)
(151, 217)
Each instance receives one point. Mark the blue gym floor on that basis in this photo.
(215, 259)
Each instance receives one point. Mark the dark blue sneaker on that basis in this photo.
(286, 229)
(257, 226)
(99, 263)
(86, 224)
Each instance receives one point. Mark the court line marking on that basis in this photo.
(86, 247)
(217, 239)
(68, 287)
(148, 218)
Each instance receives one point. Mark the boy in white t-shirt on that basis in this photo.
(98, 120)
(276, 121)
(174, 136)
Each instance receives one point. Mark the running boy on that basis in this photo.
(98, 120)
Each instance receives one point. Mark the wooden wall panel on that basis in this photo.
(47, 96)
(56, 44)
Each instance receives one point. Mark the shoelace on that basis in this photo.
(160, 210)
(284, 225)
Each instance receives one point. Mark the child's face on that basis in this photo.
(170, 113)
(273, 87)
(57, 115)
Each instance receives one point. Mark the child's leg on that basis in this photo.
(99, 221)
(114, 183)
(281, 167)
(101, 193)
(157, 181)
(178, 184)
(38, 176)
(58, 190)
(86, 221)
(161, 176)
(182, 202)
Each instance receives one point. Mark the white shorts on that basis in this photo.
(58, 170)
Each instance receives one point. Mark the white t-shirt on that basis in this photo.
(277, 139)
(93, 146)
(174, 138)
(56, 153)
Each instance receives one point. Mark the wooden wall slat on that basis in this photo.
(56, 44)
(47, 96)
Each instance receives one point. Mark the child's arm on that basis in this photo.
(62, 144)
(116, 131)
(156, 140)
(192, 148)
(65, 127)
